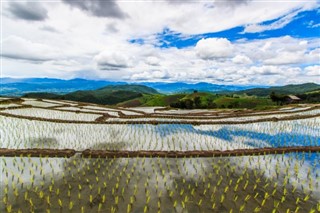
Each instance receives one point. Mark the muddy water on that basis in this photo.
(159, 184)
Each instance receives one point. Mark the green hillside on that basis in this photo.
(109, 95)
(201, 100)
(42, 95)
(132, 88)
(284, 90)
(139, 95)
(152, 100)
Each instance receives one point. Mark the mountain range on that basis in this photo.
(18, 87)
(150, 94)
(132, 95)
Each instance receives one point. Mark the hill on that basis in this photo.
(152, 100)
(132, 87)
(199, 100)
(109, 95)
(283, 90)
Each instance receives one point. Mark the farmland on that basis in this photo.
(150, 182)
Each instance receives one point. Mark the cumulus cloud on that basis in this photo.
(99, 8)
(150, 75)
(312, 70)
(265, 70)
(213, 48)
(111, 28)
(49, 29)
(241, 59)
(153, 61)
(15, 47)
(30, 11)
(107, 60)
(285, 58)
(231, 3)
(313, 56)
(280, 51)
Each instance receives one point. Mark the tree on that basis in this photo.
(279, 99)
(197, 102)
(274, 97)
(189, 104)
(212, 105)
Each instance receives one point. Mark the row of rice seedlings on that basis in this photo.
(52, 114)
(21, 133)
(61, 102)
(82, 109)
(257, 184)
(40, 103)
(204, 118)
(9, 105)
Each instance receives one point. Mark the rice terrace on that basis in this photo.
(82, 157)
(159, 106)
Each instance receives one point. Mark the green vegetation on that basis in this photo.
(132, 88)
(284, 90)
(310, 97)
(200, 100)
(107, 95)
(211, 101)
(139, 95)
(44, 95)
(152, 100)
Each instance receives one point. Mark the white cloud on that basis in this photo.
(312, 70)
(212, 48)
(108, 60)
(256, 28)
(151, 74)
(153, 61)
(265, 70)
(241, 59)
(280, 51)
(15, 47)
(285, 58)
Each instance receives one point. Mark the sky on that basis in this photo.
(243, 42)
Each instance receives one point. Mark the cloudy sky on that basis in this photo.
(252, 42)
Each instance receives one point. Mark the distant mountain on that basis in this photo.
(284, 90)
(179, 87)
(18, 87)
(107, 95)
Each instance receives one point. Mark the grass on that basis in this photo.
(244, 102)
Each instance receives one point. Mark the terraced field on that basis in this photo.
(62, 156)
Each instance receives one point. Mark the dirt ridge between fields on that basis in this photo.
(156, 122)
(154, 153)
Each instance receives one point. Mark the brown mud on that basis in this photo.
(154, 153)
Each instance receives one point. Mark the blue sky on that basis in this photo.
(233, 42)
(305, 24)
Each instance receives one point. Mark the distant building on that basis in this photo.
(290, 99)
